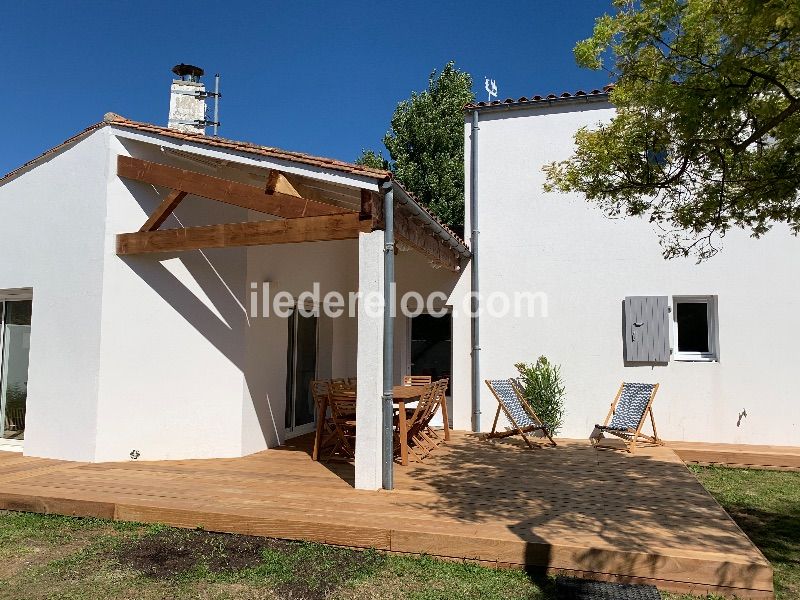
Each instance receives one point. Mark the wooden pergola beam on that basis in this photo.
(276, 203)
(164, 210)
(256, 233)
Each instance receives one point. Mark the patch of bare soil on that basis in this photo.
(311, 575)
(167, 554)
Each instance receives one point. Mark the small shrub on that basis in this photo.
(544, 390)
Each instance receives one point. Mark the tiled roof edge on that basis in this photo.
(596, 94)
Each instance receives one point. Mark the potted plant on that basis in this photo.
(543, 389)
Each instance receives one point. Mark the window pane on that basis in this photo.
(19, 312)
(692, 320)
(306, 369)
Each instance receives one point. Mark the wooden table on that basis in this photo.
(402, 395)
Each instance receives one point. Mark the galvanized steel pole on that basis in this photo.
(388, 336)
(474, 300)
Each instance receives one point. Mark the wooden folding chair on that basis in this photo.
(631, 405)
(420, 443)
(423, 435)
(522, 417)
(417, 380)
(343, 417)
(320, 392)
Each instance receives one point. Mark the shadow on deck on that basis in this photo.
(601, 514)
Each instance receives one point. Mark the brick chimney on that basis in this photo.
(187, 100)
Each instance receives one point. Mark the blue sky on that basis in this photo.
(318, 77)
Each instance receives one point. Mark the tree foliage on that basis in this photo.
(426, 144)
(706, 135)
(370, 158)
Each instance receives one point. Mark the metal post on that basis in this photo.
(216, 103)
(388, 337)
(474, 304)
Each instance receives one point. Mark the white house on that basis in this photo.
(164, 343)
(727, 357)
(142, 265)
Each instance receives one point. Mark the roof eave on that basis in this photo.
(542, 103)
(431, 222)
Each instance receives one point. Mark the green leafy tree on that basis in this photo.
(706, 135)
(426, 144)
(373, 160)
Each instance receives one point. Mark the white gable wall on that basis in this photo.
(52, 224)
(586, 264)
(171, 373)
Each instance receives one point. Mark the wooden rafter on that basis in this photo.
(257, 233)
(281, 183)
(410, 230)
(164, 210)
(368, 211)
(277, 203)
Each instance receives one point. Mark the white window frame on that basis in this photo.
(713, 329)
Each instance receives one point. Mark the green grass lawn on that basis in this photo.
(59, 557)
(766, 505)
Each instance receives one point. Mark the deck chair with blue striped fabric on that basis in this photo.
(625, 418)
(521, 416)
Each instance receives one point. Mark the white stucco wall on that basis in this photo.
(293, 268)
(172, 354)
(157, 353)
(586, 264)
(52, 225)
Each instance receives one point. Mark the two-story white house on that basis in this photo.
(720, 336)
(141, 265)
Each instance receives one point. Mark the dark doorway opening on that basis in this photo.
(432, 346)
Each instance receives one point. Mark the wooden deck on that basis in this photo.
(783, 458)
(598, 513)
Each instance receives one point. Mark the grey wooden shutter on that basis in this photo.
(646, 329)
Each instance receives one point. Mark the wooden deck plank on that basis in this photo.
(739, 455)
(602, 513)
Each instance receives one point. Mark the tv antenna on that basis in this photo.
(491, 88)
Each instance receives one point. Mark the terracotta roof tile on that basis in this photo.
(328, 163)
(248, 147)
(251, 148)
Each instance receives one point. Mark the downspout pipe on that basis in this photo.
(387, 432)
(474, 273)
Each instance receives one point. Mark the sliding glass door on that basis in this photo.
(15, 342)
(301, 369)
